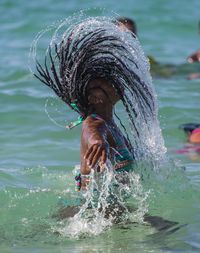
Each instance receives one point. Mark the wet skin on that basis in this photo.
(195, 57)
(96, 138)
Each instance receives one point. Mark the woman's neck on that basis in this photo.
(104, 111)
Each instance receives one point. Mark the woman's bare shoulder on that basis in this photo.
(92, 121)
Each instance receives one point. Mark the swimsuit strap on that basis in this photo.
(96, 116)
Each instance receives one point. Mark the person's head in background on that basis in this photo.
(194, 137)
(192, 131)
(127, 23)
(195, 57)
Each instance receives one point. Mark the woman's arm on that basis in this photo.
(94, 143)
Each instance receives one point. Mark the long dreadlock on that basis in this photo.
(95, 49)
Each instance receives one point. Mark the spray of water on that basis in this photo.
(95, 47)
(110, 198)
(57, 112)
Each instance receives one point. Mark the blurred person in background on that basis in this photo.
(194, 58)
(192, 148)
(164, 70)
(156, 68)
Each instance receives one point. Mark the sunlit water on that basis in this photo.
(38, 157)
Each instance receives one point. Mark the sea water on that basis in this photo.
(38, 156)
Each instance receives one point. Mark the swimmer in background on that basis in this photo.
(157, 69)
(127, 23)
(192, 131)
(194, 58)
(192, 148)
(165, 70)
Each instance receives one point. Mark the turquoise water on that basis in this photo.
(37, 156)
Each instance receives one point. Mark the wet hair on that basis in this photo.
(97, 49)
(127, 21)
(189, 127)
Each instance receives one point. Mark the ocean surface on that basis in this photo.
(38, 154)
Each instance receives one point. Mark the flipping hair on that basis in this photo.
(99, 49)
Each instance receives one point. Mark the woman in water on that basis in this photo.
(91, 68)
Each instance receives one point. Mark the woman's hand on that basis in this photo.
(97, 154)
(95, 144)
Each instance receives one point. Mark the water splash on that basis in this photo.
(110, 198)
(56, 111)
